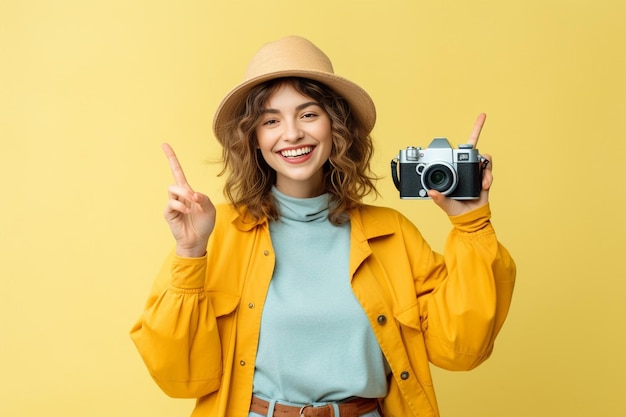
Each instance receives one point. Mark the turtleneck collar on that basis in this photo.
(302, 209)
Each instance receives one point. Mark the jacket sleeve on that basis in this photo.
(177, 334)
(464, 298)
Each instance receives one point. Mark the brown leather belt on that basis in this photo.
(351, 408)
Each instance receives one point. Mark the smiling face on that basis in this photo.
(295, 139)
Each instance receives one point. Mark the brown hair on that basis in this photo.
(348, 177)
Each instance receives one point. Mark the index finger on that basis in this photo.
(478, 126)
(177, 170)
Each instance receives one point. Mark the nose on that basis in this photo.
(292, 132)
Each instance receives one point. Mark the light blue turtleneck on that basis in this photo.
(316, 344)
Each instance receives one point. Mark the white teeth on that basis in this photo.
(292, 153)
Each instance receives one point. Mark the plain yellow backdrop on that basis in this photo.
(90, 89)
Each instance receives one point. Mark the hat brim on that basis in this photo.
(360, 102)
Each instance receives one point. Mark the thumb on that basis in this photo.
(203, 200)
(438, 198)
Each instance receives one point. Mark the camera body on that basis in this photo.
(456, 173)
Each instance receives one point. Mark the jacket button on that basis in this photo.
(242, 363)
(266, 253)
(404, 375)
(251, 305)
(382, 319)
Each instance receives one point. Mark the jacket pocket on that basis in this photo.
(225, 309)
(223, 303)
(414, 344)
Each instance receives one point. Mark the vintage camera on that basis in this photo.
(456, 173)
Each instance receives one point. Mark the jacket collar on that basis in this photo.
(364, 223)
(367, 223)
(243, 221)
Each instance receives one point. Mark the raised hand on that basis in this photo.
(455, 207)
(190, 215)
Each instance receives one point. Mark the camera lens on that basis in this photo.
(438, 178)
(441, 177)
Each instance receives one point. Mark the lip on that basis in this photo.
(296, 159)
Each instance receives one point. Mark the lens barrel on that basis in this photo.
(440, 177)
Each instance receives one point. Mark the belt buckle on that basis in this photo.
(301, 412)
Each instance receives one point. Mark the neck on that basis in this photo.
(301, 189)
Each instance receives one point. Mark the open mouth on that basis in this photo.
(295, 153)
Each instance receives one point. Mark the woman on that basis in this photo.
(296, 298)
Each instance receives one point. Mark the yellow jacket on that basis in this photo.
(198, 335)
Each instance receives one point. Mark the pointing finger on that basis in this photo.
(177, 170)
(478, 126)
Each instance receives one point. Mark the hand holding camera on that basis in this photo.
(458, 180)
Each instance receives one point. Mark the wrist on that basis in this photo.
(472, 220)
(197, 251)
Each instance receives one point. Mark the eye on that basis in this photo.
(309, 115)
(269, 122)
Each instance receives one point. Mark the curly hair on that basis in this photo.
(347, 174)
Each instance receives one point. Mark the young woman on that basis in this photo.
(296, 298)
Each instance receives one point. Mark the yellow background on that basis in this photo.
(89, 90)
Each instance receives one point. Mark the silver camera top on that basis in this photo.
(440, 150)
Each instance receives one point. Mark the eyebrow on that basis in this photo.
(298, 107)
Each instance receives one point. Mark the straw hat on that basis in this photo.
(293, 56)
